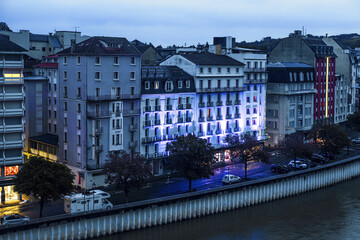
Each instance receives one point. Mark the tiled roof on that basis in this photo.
(211, 59)
(46, 65)
(102, 46)
(280, 72)
(8, 46)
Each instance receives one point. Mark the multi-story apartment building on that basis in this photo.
(226, 103)
(314, 52)
(11, 116)
(355, 74)
(167, 110)
(344, 86)
(289, 101)
(99, 104)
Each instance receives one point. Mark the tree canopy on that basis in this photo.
(44, 180)
(126, 171)
(4, 27)
(330, 137)
(191, 157)
(246, 148)
(354, 121)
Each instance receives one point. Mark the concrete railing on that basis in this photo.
(170, 209)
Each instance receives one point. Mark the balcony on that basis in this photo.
(157, 108)
(210, 118)
(171, 137)
(222, 89)
(148, 139)
(168, 121)
(201, 119)
(188, 119)
(237, 129)
(113, 97)
(229, 103)
(169, 108)
(237, 102)
(200, 134)
(218, 131)
(147, 123)
(157, 122)
(132, 144)
(165, 137)
(246, 69)
(117, 113)
(180, 120)
(201, 104)
(147, 109)
(98, 114)
(99, 148)
(210, 104)
(219, 103)
(219, 117)
(228, 116)
(180, 106)
(158, 138)
(237, 115)
(210, 132)
(12, 112)
(188, 106)
(133, 127)
(11, 96)
(131, 112)
(228, 130)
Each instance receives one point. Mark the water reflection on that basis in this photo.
(330, 213)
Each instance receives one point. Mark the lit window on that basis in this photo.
(156, 84)
(12, 75)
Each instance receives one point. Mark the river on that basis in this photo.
(329, 213)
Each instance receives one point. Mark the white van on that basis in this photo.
(93, 200)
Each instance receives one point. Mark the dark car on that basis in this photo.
(308, 162)
(275, 168)
(328, 155)
(319, 158)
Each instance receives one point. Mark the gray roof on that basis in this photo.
(46, 138)
(102, 46)
(288, 65)
(38, 37)
(8, 46)
(54, 42)
(211, 59)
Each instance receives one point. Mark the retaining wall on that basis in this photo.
(186, 206)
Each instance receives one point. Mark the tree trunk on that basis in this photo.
(245, 167)
(41, 207)
(189, 184)
(126, 190)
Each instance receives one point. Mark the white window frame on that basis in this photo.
(147, 85)
(97, 63)
(132, 77)
(116, 77)
(97, 79)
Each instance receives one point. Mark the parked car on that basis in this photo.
(356, 140)
(308, 162)
(299, 164)
(14, 219)
(229, 179)
(319, 158)
(276, 168)
(328, 155)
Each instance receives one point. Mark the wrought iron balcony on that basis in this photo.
(228, 116)
(228, 103)
(219, 103)
(201, 104)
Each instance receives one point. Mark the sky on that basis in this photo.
(183, 22)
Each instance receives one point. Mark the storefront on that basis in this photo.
(10, 194)
(7, 189)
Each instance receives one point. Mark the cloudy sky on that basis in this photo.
(182, 22)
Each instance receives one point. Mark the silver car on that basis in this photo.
(14, 219)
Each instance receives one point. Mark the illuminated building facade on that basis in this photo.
(225, 102)
(99, 105)
(314, 52)
(290, 100)
(11, 116)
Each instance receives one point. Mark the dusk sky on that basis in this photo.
(187, 21)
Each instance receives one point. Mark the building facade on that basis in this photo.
(11, 116)
(99, 105)
(290, 100)
(314, 52)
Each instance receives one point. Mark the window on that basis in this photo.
(65, 75)
(65, 137)
(116, 75)
(247, 110)
(65, 106)
(255, 87)
(49, 113)
(247, 99)
(54, 114)
(209, 70)
(209, 84)
(79, 108)
(179, 84)
(255, 110)
(132, 75)
(255, 98)
(132, 90)
(228, 70)
(219, 83)
(187, 83)
(116, 60)
(247, 122)
(78, 123)
(97, 76)
(219, 70)
(78, 61)
(78, 76)
(147, 85)
(54, 87)
(65, 155)
(65, 61)
(97, 92)
(65, 121)
(43, 49)
(97, 60)
(168, 86)
(237, 70)
(201, 70)
(65, 92)
(228, 83)
(132, 61)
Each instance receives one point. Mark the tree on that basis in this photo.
(126, 171)
(191, 157)
(4, 27)
(330, 137)
(295, 146)
(246, 148)
(44, 180)
(354, 121)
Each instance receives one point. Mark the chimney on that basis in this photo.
(72, 48)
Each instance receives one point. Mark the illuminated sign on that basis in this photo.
(13, 170)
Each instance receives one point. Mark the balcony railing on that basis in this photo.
(222, 89)
(180, 106)
(209, 104)
(157, 108)
(229, 102)
(228, 116)
(98, 114)
(201, 104)
(129, 112)
(188, 106)
(132, 144)
(168, 121)
(237, 115)
(157, 122)
(169, 107)
(237, 129)
(147, 109)
(237, 102)
(99, 130)
(209, 118)
(147, 123)
(219, 103)
(200, 134)
(133, 127)
(210, 132)
(228, 130)
(113, 97)
(180, 120)
(246, 69)
(219, 117)
(218, 131)
(201, 119)
(188, 119)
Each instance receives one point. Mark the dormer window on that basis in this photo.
(156, 84)
(209, 70)
(187, 83)
(179, 84)
(201, 70)
(147, 85)
(168, 86)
